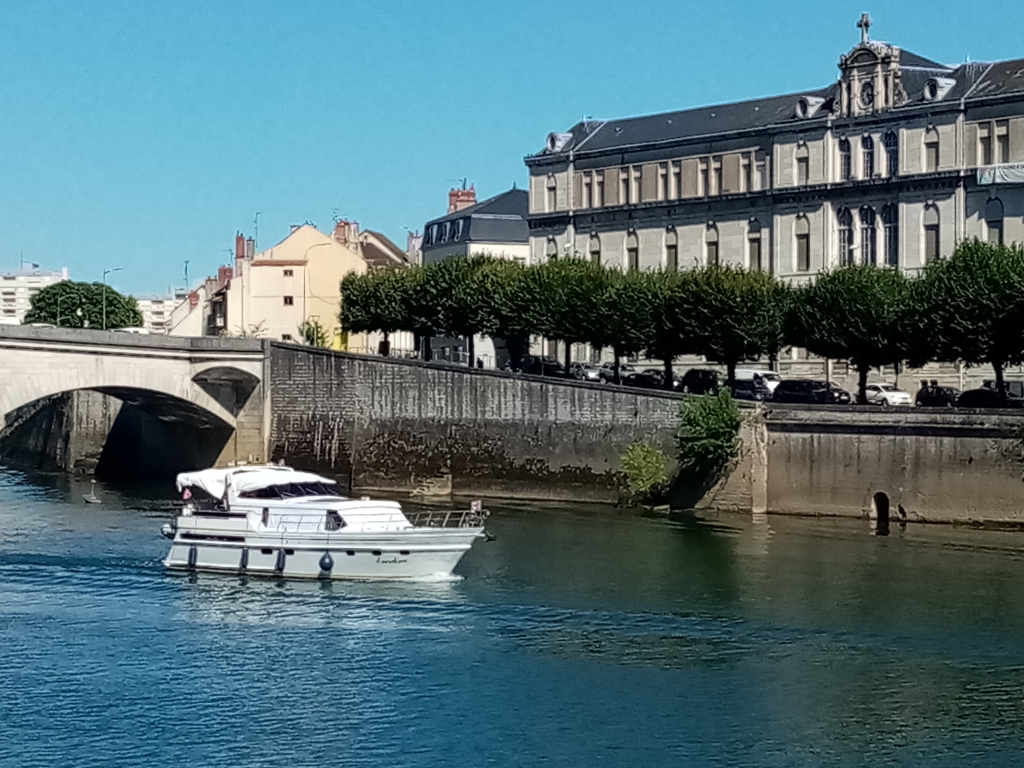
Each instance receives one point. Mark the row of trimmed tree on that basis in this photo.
(967, 308)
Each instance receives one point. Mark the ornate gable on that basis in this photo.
(870, 76)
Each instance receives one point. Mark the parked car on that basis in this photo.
(607, 371)
(751, 389)
(934, 396)
(699, 381)
(1014, 387)
(543, 365)
(585, 372)
(987, 398)
(887, 396)
(770, 378)
(644, 379)
(810, 391)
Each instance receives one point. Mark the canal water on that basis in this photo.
(580, 636)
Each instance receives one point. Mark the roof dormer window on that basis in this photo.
(937, 87)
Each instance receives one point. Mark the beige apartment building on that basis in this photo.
(271, 294)
(893, 163)
(17, 288)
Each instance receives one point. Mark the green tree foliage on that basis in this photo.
(671, 330)
(313, 333)
(518, 303)
(379, 300)
(857, 313)
(627, 305)
(971, 307)
(737, 315)
(572, 311)
(80, 305)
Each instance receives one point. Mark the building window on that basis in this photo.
(676, 190)
(868, 240)
(662, 181)
(716, 168)
(551, 250)
(931, 234)
(1002, 141)
(595, 249)
(634, 185)
(845, 221)
(599, 190)
(803, 166)
(931, 151)
(994, 220)
(289, 272)
(446, 229)
(671, 251)
(458, 228)
(286, 337)
(867, 150)
(711, 246)
(985, 143)
(623, 186)
(702, 179)
(289, 301)
(892, 154)
(802, 230)
(844, 160)
(552, 193)
(746, 175)
(754, 246)
(891, 224)
(632, 252)
(588, 181)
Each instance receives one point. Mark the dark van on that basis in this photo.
(810, 391)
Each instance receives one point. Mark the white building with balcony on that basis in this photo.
(17, 289)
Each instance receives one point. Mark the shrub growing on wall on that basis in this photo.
(646, 474)
(709, 437)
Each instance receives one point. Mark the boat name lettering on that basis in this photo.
(392, 560)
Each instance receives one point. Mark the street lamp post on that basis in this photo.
(105, 273)
(59, 298)
(306, 287)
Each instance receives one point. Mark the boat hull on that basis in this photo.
(415, 554)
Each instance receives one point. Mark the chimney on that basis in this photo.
(461, 198)
(346, 232)
(193, 300)
(250, 248)
(239, 246)
(224, 275)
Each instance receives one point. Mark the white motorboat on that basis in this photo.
(275, 521)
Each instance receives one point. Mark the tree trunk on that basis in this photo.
(385, 345)
(669, 383)
(425, 342)
(862, 383)
(617, 377)
(730, 374)
(516, 346)
(471, 350)
(568, 357)
(1000, 384)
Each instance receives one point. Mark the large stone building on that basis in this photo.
(894, 163)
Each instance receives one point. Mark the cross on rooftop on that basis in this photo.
(864, 25)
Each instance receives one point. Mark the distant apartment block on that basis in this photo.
(18, 287)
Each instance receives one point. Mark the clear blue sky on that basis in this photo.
(140, 134)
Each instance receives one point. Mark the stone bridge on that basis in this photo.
(206, 391)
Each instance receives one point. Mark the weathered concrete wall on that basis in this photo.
(939, 465)
(407, 426)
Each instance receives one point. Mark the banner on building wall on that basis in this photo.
(1009, 173)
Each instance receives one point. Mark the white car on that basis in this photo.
(888, 396)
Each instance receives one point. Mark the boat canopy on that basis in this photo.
(245, 479)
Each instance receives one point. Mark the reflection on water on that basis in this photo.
(581, 636)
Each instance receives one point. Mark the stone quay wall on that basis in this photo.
(393, 425)
(410, 426)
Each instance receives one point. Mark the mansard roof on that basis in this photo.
(498, 219)
(973, 80)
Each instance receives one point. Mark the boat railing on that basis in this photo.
(452, 518)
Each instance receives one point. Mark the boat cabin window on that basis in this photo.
(292, 491)
(334, 521)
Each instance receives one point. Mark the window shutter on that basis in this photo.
(1017, 140)
(561, 191)
(690, 171)
(538, 188)
(649, 183)
(971, 158)
(731, 173)
(577, 190)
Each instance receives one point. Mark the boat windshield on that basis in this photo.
(292, 491)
